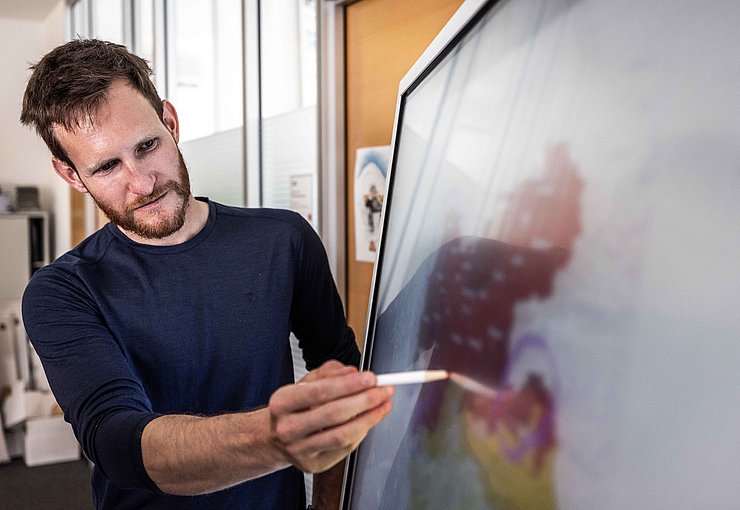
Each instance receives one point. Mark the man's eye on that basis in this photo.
(149, 144)
(105, 167)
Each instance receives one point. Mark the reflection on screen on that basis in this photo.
(562, 236)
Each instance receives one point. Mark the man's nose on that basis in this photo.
(140, 180)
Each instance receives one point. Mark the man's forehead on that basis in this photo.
(82, 123)
(120, 97)
(87, 122)
(84, 119)
(69, 135)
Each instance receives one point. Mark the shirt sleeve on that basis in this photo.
(317, 314)
(89, 375)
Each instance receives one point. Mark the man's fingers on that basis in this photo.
(331, 368)
(347, 435)
(321, 451)
(316, 392)
(295, 426)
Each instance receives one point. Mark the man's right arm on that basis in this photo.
(312, 425)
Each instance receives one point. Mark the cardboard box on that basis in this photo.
(33, 424)
(22, 404)
(36, 428)
(49, 440)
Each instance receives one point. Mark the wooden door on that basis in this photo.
(383, 40)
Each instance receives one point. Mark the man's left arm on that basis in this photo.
(321, 327)
(317, 313)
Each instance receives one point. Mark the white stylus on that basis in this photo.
(412, 377)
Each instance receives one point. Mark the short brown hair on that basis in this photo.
(71, 82)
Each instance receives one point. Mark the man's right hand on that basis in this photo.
(317, 422)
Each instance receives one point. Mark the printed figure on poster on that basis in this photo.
(371, 169)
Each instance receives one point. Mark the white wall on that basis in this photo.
(24, 158)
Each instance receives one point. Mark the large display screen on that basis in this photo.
(562, 233)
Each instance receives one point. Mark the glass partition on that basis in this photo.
(288, 111)
(205, 83)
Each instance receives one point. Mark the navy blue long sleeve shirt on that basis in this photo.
(128, 332)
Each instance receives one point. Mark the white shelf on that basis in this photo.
(24, 247)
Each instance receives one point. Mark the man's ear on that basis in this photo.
(69, 174)
(169, 118)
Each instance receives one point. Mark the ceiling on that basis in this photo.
(33, 10)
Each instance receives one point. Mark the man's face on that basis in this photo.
(128, 160)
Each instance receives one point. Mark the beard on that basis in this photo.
(164, 225)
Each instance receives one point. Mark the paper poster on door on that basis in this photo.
(371, 169)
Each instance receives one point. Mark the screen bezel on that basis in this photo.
(462, 22)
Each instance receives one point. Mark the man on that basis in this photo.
(165, 334)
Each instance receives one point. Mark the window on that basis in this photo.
(288, 105)
(143, 20)
(198, 67)
(107, 20)
(204, 71)
(205, 65)
(79, 17)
